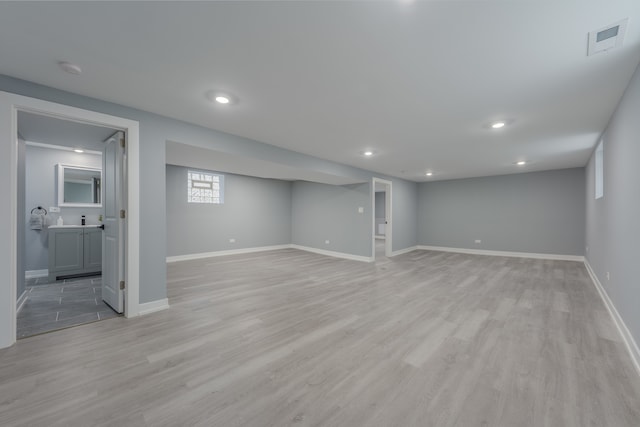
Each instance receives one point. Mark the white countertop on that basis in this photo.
(75, 226)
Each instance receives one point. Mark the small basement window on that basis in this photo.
(599, 170)
(205, 187)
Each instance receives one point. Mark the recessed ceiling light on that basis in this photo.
(429, 173)
(521, 163)
(498, 125)
(368, 153)
(70, 68)
(220, 97)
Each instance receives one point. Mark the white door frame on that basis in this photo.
(388, 239)
(10, 104)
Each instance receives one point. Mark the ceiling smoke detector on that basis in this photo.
(70, 68)
(606, 38)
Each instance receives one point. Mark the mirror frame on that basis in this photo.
(60, 168)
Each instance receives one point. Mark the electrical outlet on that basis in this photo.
(608, 276)
(360, 209)
(587, 248)
(232, 240)
(326, 242)
(54, 209)
(478, 241)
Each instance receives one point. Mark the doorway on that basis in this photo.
(10, 106)
(63, 215)
(382, 232)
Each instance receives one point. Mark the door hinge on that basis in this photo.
(123, 214)
(122, 142)
(121, 284)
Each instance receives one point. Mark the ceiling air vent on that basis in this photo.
(606, 38)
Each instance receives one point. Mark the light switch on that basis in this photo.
(360, 209)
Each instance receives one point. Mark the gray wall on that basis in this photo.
(404, 210)
(538, 212)
(40, 190)
(327, 212)
(20, 258)
(613, 221)
(256, 212)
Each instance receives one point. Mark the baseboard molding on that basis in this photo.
(32, 274)
(201, 255)
(631, 344)
(333, 253)
(404, 251)
(153, 306)
(578, 258)
(20, 302)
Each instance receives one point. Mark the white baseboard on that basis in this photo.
(579, 258)
(404, 251)
(631, 344)
(224, 253)
(153, 306)
(21, 301)
(32, 274)
(333, 253)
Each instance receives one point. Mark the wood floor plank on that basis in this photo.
(292, 338)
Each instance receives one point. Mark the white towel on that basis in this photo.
(36, 221)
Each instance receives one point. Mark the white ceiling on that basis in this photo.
(416, 82)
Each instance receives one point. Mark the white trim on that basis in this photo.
(10, 104)
(132, 223)
(404, 251)
(21, 301)
(578, 258)
(34, 274)
(59, 147)
(629, 342)
(153, 306)
(380, 237)
(189, 257)
(333, 253)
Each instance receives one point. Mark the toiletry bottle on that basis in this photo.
(84, 220)
(59, 222)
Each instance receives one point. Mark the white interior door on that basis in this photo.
(113, 237)
(385, 186)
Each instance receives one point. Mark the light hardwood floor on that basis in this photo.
(292, 338)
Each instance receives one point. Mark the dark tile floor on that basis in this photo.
(59, 305)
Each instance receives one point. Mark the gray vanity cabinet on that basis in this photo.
(92, 249)
(74, 251)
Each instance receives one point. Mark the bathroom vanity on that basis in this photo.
(74, 250)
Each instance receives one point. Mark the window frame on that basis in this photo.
(201, 178)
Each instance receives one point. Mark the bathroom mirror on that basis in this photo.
(79, 186)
